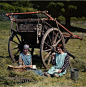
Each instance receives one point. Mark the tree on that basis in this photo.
(40, 5)
(16, 6)
(67, 9)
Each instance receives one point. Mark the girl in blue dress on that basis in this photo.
(60, 61)
(26, 58)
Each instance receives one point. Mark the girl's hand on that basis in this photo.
(30, 66)
(53, 54)
(60, 71)
(53, 58)
(20, 65)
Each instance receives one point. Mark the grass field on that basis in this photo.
(74, 46)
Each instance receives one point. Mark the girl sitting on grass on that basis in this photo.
(26, 58)
(60, 61)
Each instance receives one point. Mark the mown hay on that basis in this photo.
(80, 64)
(12, 77)
(29, 74)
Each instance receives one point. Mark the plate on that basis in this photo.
(34, 68)
(56, 70)
(10, 66)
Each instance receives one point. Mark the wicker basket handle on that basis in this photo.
(19, 61)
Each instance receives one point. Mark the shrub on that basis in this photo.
(30, 9)
(6, 7)
(9, 8)
(21, 9)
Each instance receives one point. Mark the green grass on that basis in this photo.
(79, 24)
(74, 46)
(62, 18)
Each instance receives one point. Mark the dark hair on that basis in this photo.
(60, 46)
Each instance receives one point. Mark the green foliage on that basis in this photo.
(52, 4)
(71, 7)
(17, 7)
(21, 9)
(61, 18)
(22, 4)
(60, 4)
(56, 4)
(6, 7)
(30, 9)
(55, 8)
(63, 10)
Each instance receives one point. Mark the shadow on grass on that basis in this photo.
(73, 29)
(4, 57)
(36, 60)
(68, 78)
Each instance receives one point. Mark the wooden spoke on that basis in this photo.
(17, 52)
(49, 60)
(59, 36)
(47, 44)
(14, 48)
(18, 38)
(53, 37)
(22, 39)
(47, 50)
(58, 41)
(15, 42)
(56, 37)
(47, 56)
(50, 40)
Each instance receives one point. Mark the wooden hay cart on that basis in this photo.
(38, 30)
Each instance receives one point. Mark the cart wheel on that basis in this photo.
(50, 40)
(15, 46)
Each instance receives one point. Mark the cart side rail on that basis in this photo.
(49, 18)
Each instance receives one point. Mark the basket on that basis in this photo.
(17, 69)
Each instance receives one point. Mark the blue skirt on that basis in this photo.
(37, 71)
